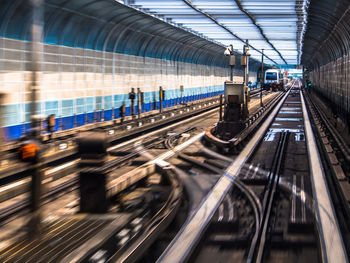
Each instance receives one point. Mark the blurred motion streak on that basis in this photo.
(36, 56)
(36, 61)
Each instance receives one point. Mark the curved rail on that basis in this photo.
(115, 133)
(256, 250)
(331, 242)
(189, 236)
(157, 224)
(21, 205)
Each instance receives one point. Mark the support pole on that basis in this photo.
(262, 77)
(36, 62)
(138, 103)
(2, 115)
(232, 62)
(220, 116)
(34, 226)
(36, 56)
(160, 99)
(245, 64)
(181, 90)
(132, 102)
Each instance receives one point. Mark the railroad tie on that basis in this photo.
(300, 219)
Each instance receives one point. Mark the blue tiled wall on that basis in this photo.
(85, 108)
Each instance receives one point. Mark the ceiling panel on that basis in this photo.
(271, 25)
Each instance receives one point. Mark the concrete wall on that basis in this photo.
(77, 81)
(332, 81)
(81, 86)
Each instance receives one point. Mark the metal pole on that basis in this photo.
(246, 77)
(36, 62)
(160, 99)
(36, 56)
(262, 77)
(232, 62)
(246, 69)
(139, 103)
(181, 90)
(220, 116)
(132, 103)
(2, 139)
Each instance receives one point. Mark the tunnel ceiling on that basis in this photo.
(273, 25)
(109, 25)
(327, 35)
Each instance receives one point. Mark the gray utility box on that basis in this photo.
(234, 92)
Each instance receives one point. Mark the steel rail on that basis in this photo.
(331, 240)
(255, 202)
(24, 204)
(336, 180)
(58, 136)
(253, 199)
(190, 234)
(157, 224)
(256, 250)
(169, 141)
(112, 164)
(19, 206)
(209, 109)
(162, 218)
(343, 146)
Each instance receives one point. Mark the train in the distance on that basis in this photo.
(275, 79)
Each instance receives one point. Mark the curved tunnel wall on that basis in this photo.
(94, 52)
(326, 53)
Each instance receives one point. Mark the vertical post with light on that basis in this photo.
(34, 226)
(245, 64)
(231, 123)
(229, 52)
(36, 57)
(160, 99)
(2, 139)
(262, 77)
(138, 103)
(181, 91)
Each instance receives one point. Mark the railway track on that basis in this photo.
(14, 181)
(63, 146)
(13, 186)
(256, 249)
(334, 153)
(132, 162)
(271, 197)
(151, 217)
(120, 155)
